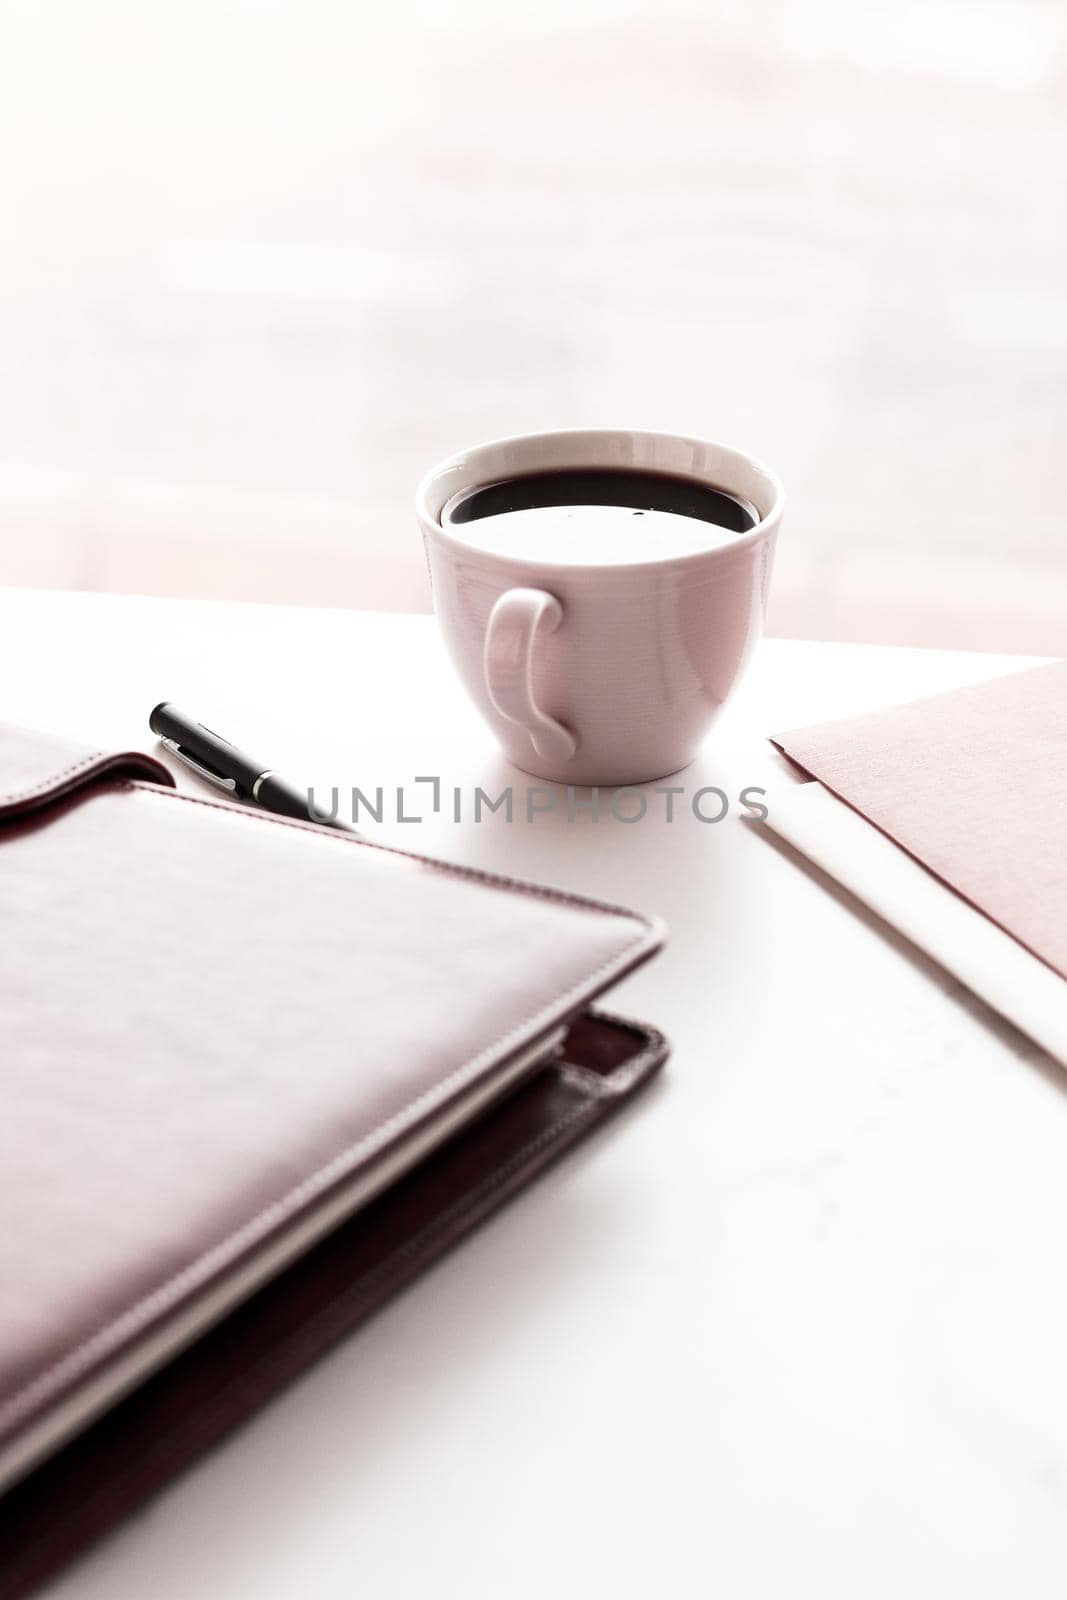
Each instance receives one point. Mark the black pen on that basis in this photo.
(222, 764)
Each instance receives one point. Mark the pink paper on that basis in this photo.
(974, 785)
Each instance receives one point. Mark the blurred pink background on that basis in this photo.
(264, 263)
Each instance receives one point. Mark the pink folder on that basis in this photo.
(973, 784)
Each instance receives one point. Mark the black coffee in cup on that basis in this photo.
(597, 515)
(601, 486)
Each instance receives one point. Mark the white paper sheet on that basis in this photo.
(947, 927)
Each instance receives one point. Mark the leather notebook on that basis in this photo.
(256, 1075)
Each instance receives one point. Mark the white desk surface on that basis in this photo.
(793, 1327)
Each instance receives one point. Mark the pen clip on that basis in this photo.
(198, 767)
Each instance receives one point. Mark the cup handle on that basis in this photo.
(514, 623)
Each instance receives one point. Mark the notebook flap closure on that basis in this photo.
(37, 768)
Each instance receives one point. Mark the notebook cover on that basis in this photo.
(218, 1023)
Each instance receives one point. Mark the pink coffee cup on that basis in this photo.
(600, 671)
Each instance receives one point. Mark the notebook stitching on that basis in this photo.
(56, 780)
(337, 836)
(98, 1344)
(52, 779)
